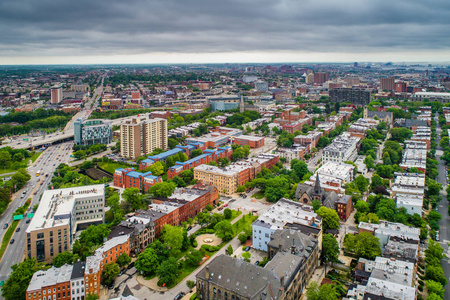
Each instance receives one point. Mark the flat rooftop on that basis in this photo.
(287, 211)
(56, 206)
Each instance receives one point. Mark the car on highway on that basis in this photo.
(28, 221)
(5, 226)
(18, 229)
(12, 241)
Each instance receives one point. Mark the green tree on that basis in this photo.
(5, 157)
(224, 230)
(147, 262)
(369, 161)
(227, 213)
(133, 197)
(63, 258)
(18, 157)
(240, 189)
(324, 292)
(435, 273)
(167, 271)
(230, 250)
(330, 248)
(172, 143)
(173, 237)
(330, 218)
(157, 168)
(361, 183)
(110, 272)
(316, 204)
(193, 258)
(163, 189)
(16, 285)
(196, 152)
(435, 287)
(299, 167)
(190, 284)
(433, 296)
(91, 297)
(123, 260)
(363, 244)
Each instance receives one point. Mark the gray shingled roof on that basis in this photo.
(242, 278)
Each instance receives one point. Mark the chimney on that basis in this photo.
(280, 247)
(207, 272)
(282, 282)
(293, 247)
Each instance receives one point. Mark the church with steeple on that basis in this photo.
(306, 194)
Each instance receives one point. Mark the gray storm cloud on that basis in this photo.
(97, 27)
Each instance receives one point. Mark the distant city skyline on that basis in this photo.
(175, 31)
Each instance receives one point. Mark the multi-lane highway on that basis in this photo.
(28, 141)
(46, 164)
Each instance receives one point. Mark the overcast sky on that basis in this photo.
(164, 31)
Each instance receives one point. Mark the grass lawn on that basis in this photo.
(35, 156)
(258, 195)
(243, 223)
(110, 167)
(235, 214)
(7, 236)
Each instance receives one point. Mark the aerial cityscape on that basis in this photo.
(233, 150)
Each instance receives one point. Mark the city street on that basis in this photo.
(444, 232)
(46, 164)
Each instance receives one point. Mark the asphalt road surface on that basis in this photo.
(444, 232)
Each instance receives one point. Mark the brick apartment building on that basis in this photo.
(252, 141)
(129, 178)
(207, 157)
(310, 139)
(180, 206)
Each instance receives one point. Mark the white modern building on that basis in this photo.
(343, 148)
(279, 214)
(409, 190)
(59, 214)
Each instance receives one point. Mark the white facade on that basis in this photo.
(77, 288)
(343, 148)
(284, 211)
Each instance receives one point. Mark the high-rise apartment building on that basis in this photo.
(321, 77)
(53, 227)
(91, 132)
(353, 95)
(56, 94)
(400, 87)
(387, 84)
(309, 78)
(141, 135)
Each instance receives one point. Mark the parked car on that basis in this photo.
(247, 249)
(257, 262)
(179, 296)
(189, 228)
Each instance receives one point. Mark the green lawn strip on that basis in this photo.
(245, 221)
(111, 167)
(258, 195)
(7, 237)
(235, 214)
(35, 156)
